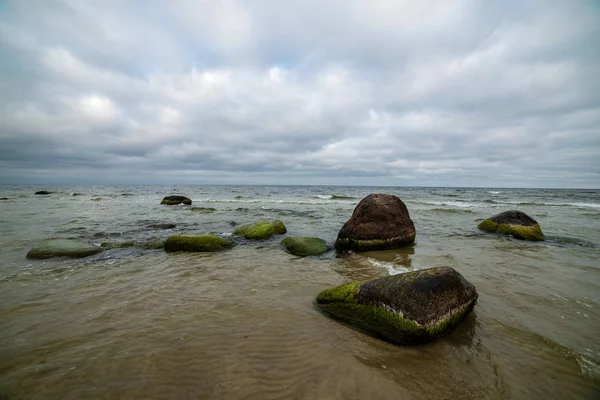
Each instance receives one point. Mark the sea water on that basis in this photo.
(140, 323)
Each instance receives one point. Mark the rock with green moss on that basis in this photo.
(63, 248)
(305, 246)
(175, 200)
(514, 223)
(414, 307)
(379, 222)
(197, 243)
(261, 230)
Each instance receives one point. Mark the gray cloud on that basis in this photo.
(339, 92)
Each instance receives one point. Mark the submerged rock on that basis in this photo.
(414, 307)
(305, 246)
(261, 229)
(43, 192)
(197, 243)
(63, 248)
(162, 226)
(117, 245)
(514, 223)
(3, 198)
(379, 222)
(175, 200)
(153, 244)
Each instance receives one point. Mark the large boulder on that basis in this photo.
(197, 243)
(379, 222)
(414, 307)
(63, 248)
(175, 200)
(261, 230)
(514, 223)
(305, 246)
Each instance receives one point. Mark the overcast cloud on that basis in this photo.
(348, 92)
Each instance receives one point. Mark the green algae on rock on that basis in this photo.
(261, 230)
(197, 243)
(514, 223)
(63, 248)
(305, 246)
(175, 200)
(415, 307)
(379, 222)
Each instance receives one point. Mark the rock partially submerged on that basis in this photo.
(305, 246)
(414, 307)
(63, 248)
(175, 200)
(43, 192)
(379, 222)
(514, 223)
(197, 243)
(261, 230)
(162, 226)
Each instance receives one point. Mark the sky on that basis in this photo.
(310, 92)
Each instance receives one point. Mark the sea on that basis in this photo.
(135, 322)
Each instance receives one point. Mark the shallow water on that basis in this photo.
(137, 323)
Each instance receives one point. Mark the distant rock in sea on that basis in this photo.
(162, 226)
(379, 222)
(414, 307)
(514, 223)
(43, 192)
(175, 200)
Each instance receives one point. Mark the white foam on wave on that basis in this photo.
(588, 367)
(460, 204)
(590, 205)
(494, 192)
(267, 201)
(324, 196)
(393, 269)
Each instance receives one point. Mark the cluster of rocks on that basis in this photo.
(413, 307)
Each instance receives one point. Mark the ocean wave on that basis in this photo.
(333, 197)
(451, 211)
(393, 269)
(267, 201)
(494, 192)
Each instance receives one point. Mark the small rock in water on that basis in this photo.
(261, 230)
(379, 222)
(196, 243)
(414, 307)
(117, 245)
(514, 223)
(305, 246)
(3, 198)
(162, 226)
(63, 248)
(43, 192)
(175, 200)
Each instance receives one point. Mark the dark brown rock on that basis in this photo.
(379, 222)
(175, 200)
(515, 223)
(43, 192)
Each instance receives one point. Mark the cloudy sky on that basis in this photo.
(348, 92)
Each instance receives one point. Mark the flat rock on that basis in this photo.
(379, 222)
(261, 230)
(63, 248)
(414, 307)
(196, 243)
(305, 246)
(514, 223)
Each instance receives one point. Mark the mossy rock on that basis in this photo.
(261, 230)
(63, 248)
(197, 243)
(175, 200)
(153, 244)
(514, 223)
(305, 246)
(414, 307)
